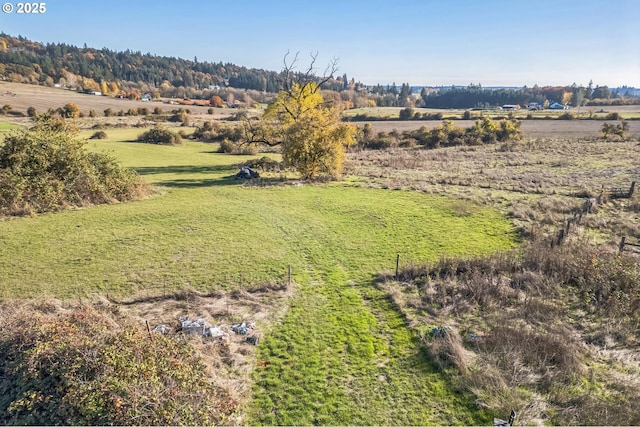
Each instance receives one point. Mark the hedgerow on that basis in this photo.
(484, 131)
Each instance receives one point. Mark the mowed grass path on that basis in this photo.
(342, 355)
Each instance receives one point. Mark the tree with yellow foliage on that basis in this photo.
(309, 131)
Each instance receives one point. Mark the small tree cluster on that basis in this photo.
(484, 131)
(619, 130)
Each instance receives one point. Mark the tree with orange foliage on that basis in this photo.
(216, 101)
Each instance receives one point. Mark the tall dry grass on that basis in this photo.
(526, 330)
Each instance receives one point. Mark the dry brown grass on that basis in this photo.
(545, 331)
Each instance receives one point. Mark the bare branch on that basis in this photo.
(254, 133)
(308, 75)
(288, 69)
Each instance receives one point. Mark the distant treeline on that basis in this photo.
(477, 96)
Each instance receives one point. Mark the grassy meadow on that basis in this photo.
(342, 354)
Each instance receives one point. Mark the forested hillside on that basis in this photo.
(120, 73)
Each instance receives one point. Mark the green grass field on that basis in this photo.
(343, 354)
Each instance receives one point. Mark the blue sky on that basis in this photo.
(491, 42)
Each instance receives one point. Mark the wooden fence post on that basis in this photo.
(633, 187)
(397, 265)
(622, 243)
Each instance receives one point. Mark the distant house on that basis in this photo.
(96, 93)
(534, 106)
(509, 107)
(558, 106)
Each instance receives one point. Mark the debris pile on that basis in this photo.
(202, 328)
(247, 173)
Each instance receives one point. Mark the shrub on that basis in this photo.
(47, 168)
(108, 112)
(406, 114)
(31, 112)
(567, 116)
(99, 135)
(92, 113)
(181, 116)
(160, 135)
(82, 368)
(265, 164)
(157, 111)
(70, 111)
(215, 132)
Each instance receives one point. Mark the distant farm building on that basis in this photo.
(509, 107)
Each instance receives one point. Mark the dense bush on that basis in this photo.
(406, 114)
(82, 368)
(217, 132)
(47, 168)
(180, 115)
(160, 135)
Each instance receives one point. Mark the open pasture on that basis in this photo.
(207, 230)
(341, 350)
